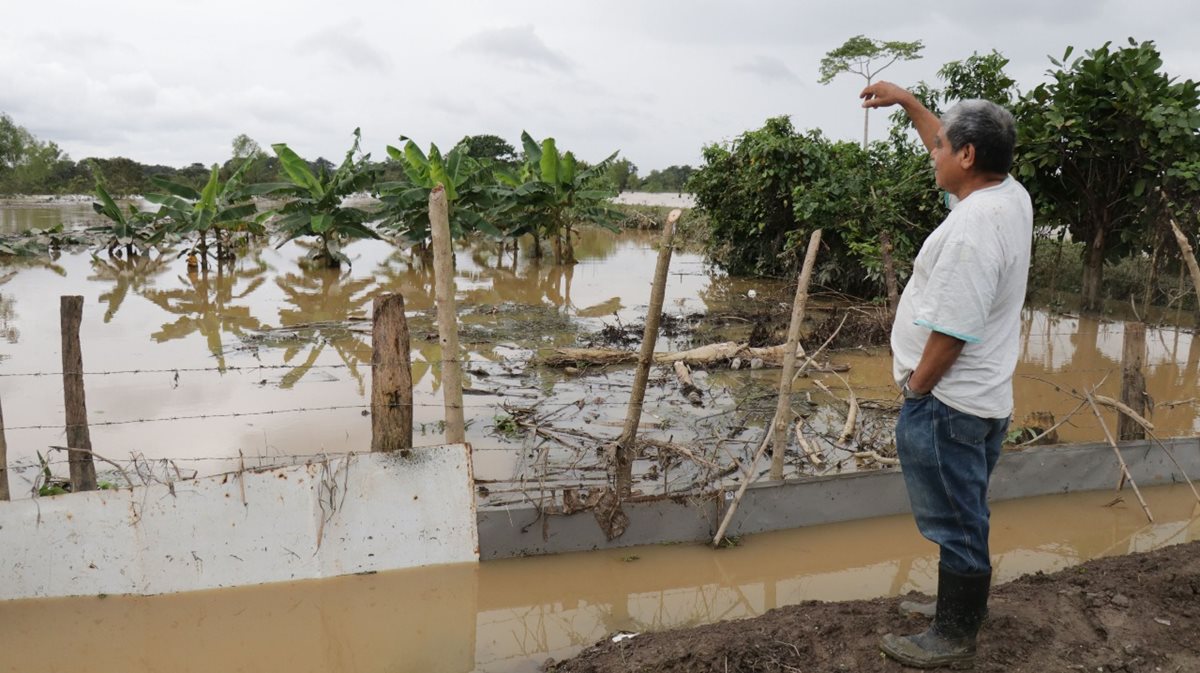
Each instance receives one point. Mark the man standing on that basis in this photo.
(955, 345)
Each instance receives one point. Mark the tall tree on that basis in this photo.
(489, 146)
(866, 58)
(622, 175)
(245, 147)
(1098, 142)
(13, 139)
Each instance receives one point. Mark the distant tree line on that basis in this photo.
(29, 165)
(622, 176)
(543, 191)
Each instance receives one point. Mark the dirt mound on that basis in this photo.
(1137, 613)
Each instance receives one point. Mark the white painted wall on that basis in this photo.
(364, 513)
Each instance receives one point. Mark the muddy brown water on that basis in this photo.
(510, 616)
(270, 360)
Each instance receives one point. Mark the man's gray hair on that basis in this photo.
(987, 126)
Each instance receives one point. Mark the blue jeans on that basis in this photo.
(947, 457)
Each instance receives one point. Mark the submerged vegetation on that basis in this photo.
(545, 194)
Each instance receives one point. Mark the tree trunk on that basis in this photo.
(1189, 257)
(889, 270)
(621, 465)
(444, 290)
(569, 247)
(537, 246)
(783, 407)
(204, 250)
(1093, 272)
(330, 261)
(1152, 280)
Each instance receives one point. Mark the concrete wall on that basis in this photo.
(519, 531)
(364, 513)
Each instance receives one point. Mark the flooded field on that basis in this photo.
(268, 362)
(510, 616)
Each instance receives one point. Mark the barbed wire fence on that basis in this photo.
(138, 463)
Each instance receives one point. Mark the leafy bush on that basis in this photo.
(768, 190)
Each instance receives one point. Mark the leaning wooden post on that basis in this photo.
(391, 377)
(1133, 382)
(625, 448)
(782, 419)
(1189, 257)
(447, 315)
(4, 495)
(83, 470)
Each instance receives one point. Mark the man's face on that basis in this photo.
(948, 168)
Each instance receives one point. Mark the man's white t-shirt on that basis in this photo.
(968, 281)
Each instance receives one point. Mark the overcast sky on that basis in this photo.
(172, 82)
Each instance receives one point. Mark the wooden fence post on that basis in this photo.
(83, 469)
(1133, 382)
(782, 419)
(443, 270)
(391, 376)
(626, 447)
(4, 494)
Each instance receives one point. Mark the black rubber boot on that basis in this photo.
(918, 609)
(926, 610)
(950, 639)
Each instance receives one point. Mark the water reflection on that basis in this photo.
(205, 306)
(538, 284)
(323, 301)
(136, 273)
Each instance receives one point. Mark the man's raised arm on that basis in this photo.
(886, 94)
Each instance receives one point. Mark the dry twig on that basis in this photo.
(1117, 451)
(99, 457)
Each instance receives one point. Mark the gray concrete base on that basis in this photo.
(522, 531)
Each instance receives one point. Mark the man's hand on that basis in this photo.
(884, 94)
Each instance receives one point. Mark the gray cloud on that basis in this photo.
(517, 45)
(345, 45)
(657, 80)
(768, 68)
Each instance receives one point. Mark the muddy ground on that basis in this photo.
(1137, 613)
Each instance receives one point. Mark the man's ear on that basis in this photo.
(966, 157)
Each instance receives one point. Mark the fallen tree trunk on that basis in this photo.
(704, 356)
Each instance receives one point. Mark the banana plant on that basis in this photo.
(222, 209)
(316, 208)
(133, 230)
(553, 192)
(470, 192)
